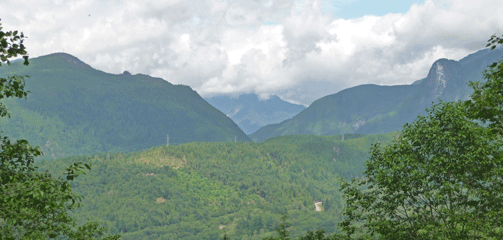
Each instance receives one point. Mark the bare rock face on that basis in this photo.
(444, 74)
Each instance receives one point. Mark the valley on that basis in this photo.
(251, 113)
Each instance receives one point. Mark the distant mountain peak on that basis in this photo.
(69, 58)
(251, 113)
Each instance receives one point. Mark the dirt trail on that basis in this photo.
(317, 205)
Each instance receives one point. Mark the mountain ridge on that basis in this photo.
(366, 113)
(77, 109)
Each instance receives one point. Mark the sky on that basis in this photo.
(299, 50)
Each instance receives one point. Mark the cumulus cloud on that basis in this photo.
(296, 49)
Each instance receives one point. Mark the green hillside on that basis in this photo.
(198, 190)
(340, 113)
(75, 109)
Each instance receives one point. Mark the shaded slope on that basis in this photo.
(91, 111)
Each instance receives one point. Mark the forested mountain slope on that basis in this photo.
(198, 190)
(371, 109)
(75, 109)
(341, 112)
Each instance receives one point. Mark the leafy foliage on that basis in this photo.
(440, 179)
(486, 102)
(494, 41)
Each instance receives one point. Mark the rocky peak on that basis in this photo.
(442, 73)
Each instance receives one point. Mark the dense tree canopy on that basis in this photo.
(201, 189)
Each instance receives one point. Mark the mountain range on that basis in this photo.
(75, 109)
(371, 109)
(250, 113)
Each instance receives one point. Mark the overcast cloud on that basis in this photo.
(299, 50)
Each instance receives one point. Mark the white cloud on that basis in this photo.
(293, 48)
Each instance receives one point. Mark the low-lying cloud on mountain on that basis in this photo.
(298, 50)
